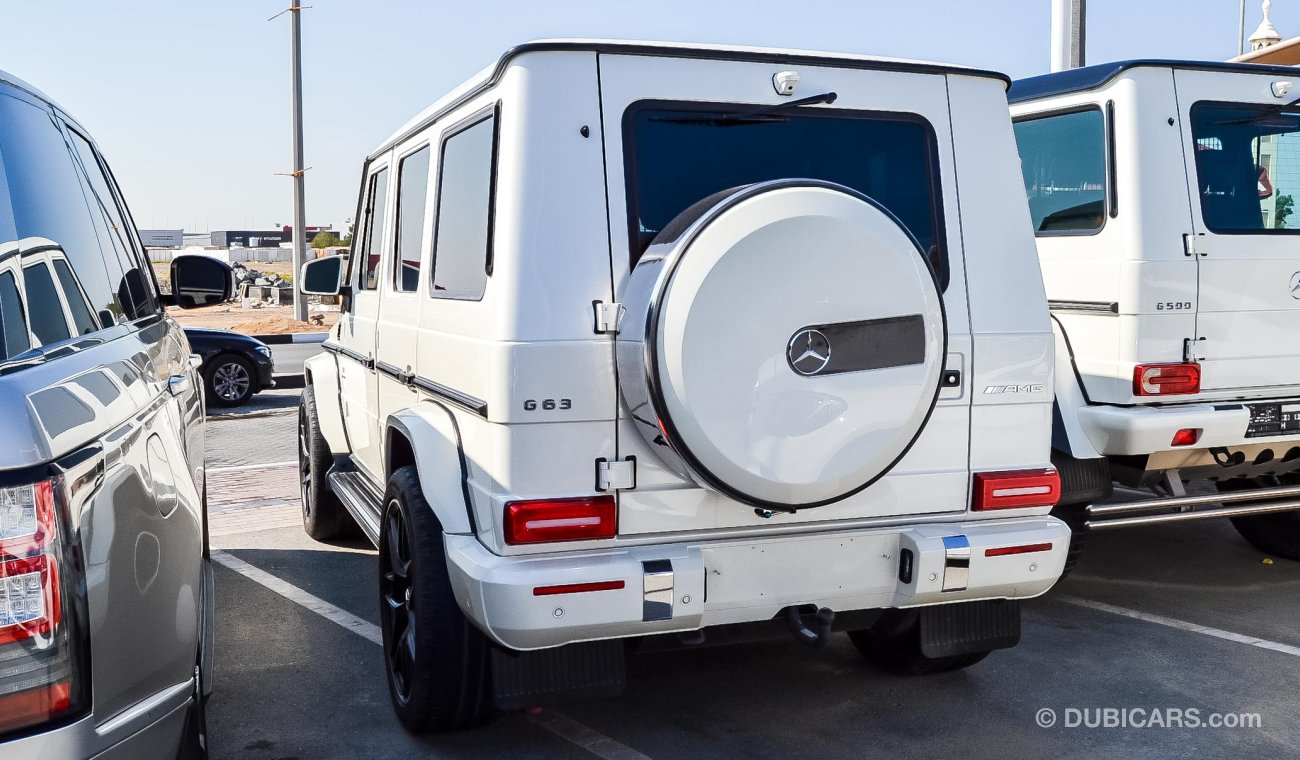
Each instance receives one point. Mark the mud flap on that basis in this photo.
(546, 677)
(969, 627)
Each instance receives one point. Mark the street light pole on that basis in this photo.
(299, 214)
(1069, 34)
(1241, 30)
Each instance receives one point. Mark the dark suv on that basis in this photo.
(105, 586)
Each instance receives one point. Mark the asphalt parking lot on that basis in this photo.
(1187, 622)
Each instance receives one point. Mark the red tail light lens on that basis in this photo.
(1186, 437)
(1166, 379)
(1016, 489)
(42, 662)
(547, 520)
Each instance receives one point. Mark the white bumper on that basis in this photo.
(686, 586)
(1137, 430)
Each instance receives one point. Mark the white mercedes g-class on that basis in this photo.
(646, 339)
(1163, 194)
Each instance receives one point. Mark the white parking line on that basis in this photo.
(1218, 633)
(562, 726)
(242, 467)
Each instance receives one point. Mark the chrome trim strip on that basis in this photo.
(361, 359)
(144, 711)
(1085, 307)
(464, 400)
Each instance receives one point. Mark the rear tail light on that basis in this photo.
(1186, 437)
(1166, 379)
(547, 520)
(1016, 489)
(1007, 551)
(42, 652)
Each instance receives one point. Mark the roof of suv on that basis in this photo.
(13, 81)
(1092, 77)
(489, 76)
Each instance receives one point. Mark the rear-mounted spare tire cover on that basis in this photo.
(783, 343)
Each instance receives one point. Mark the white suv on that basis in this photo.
(1163, 194)
(646, 339)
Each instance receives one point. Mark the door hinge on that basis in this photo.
(1191, 246)
(1194, 349)
(608, 317)
(616, 475)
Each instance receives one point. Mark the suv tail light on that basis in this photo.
(546, 520)
(1166, 379)
(42, 654)
(1016, 489)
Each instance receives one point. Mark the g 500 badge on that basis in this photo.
(547, 404)
(1174, 306)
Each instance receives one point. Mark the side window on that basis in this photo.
(13, 324)
(372, 244)
(82, 319)
(412, 190)
(462, 248)
(1063, 159)
(133, 289)
(46, 194)
(48, 322)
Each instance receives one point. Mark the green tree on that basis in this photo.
(1285, 205)
(325, 240)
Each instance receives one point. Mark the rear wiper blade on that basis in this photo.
(761, 115)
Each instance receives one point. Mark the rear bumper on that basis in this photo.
(159, 738)
(1140, 430)
(687, 586)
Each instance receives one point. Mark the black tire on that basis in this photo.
(229, 380)
(323, 516)
(1083, 482)
(439, 677)
(1275, 533)
(893, 644)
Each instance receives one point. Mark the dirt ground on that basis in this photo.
(268, 320)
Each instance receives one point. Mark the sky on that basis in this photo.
(189, 100)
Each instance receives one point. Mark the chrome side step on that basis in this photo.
(1181, 508)
(360, 498)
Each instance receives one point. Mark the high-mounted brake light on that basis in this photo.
(1166, 379)
(547, 520)
(1016, 489)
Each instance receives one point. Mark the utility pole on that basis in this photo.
(1069, 24)
(1241, 30)
(299, 214)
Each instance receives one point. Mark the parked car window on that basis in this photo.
(376, 202)
(134, 291)
(1247, 167)
(679, 154)
(82, 318)
(1063, 159)
(48, 322)
(45, 190)
(462, 249)
(13, 325)
(412, 191)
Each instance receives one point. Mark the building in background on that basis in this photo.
(312, 232)
(162, 238)
(1267, 46)
(251, 238)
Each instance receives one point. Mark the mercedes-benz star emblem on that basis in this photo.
(809, 352)
(1295, 286)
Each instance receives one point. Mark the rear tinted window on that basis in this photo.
(412, 191)
(462, 251)
(678, 154)
(13, 324)
(1063, 159)
(1247, 167)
